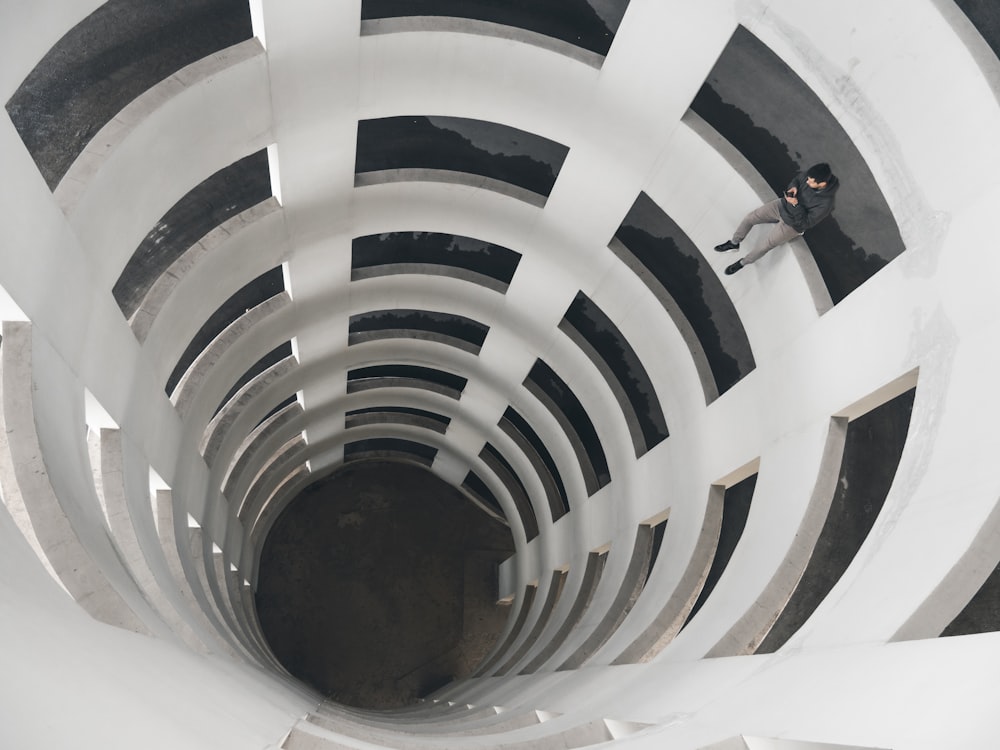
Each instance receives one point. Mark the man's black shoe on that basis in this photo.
(726, 246)
(730, 270)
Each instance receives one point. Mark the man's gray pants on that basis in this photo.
(778, 234)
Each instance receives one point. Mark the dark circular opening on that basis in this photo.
(378, 584)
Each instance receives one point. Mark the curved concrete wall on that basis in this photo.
(129, 559)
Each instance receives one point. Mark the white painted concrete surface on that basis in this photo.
(915, 98)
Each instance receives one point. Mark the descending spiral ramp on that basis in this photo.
(246, 245)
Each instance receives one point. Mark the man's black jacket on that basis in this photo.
(814, 205)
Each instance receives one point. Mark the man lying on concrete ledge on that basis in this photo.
(808, 200)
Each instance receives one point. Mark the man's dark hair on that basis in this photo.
(820, 172)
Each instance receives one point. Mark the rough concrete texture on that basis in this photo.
(461, 145)
(108, 59)
(666, 259)
(217, 199)
(586, 24)
(433, 252)
(872, 451)
(378, 584)
(594, 332)
(557, 396)
(252, 296)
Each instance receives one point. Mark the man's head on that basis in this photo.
(818, 175)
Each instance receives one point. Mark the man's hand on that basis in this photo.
(790, 196)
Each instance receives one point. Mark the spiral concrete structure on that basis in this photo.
(245, 246)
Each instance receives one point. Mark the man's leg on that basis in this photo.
(766, 214)
(779, 234)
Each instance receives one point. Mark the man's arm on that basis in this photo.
(816, 214)
(791, 198)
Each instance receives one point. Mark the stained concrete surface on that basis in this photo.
(414, 376)
(620, 362)
(390, 448)
(506, 473)
(269, 360)
(218, 198)
(429, 420)
(258, 291)
(378, 584)
(590, 24)
(107, 60)
(457, 330)
(518, 429)
(670, 260)
(544, 383)
(433, 249)
(459, 144)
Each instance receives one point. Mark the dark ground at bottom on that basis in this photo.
(378, 585)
